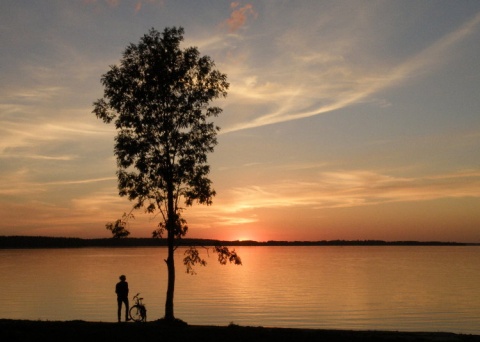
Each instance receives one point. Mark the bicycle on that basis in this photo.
(138, 312)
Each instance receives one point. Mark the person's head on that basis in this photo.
(122, 277)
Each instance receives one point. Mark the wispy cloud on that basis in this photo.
(43, 94)
(21, 135)
(354, 188)
(21, 182)
(326, 82)
(80, 216)
(39, 156)
(81, 181)
(106, 201)
(334, 189)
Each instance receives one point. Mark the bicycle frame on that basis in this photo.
(138, 312)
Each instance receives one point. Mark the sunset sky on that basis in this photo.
(344, 119)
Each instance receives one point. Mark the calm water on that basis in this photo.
(392, 288)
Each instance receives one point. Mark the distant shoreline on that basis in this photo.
(26, 242)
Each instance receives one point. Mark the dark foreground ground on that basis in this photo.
(22, 330)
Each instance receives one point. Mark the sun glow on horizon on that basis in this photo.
(241, 239)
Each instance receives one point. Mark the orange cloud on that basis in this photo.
(239, 16)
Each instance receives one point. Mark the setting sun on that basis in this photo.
(244, 239)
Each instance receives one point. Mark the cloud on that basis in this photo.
(101, 201)
(80, 216)
(334, 189)
(21, 182)
(313, 83)
(21, 135)
(43, 94)
(339, 189)
(39, 156)
(239, 16)
(81, 181)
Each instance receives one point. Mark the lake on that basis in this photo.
(406, 288)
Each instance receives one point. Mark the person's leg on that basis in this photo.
(119, 311)
(126, 309)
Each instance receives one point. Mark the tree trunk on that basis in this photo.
(171, 223)
(169, 316)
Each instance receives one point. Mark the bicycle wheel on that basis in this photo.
(136, 313)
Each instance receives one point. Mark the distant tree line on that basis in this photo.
(17, 242)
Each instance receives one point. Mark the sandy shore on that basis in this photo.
(24, 330)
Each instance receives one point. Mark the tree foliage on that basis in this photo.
(159, 99)
(119, 227)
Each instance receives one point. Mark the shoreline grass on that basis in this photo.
(29, 330)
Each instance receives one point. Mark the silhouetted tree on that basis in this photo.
(159, 97)
(119, 227)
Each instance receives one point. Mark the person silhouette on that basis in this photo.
(121, 289)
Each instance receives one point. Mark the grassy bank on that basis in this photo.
(23, 330)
